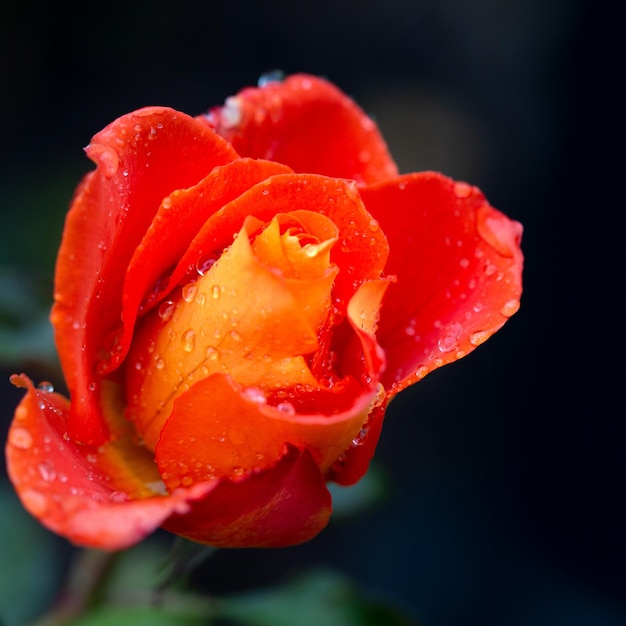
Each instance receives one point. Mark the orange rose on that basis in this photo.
(237, 298)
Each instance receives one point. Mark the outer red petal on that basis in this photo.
(60, 483)
(458, 265)
(142, 157)
(283, 506)
(310, 125)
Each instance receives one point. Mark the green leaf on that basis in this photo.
(138, 616)
(28, 556)
(25, 332)
(318, 598)
(350, 501)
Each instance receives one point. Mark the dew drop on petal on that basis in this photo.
(166, 310)
(20, 438)
(45, 386)
(216, 292)
(421, 371)
(510, 307)
(462, 190)
(379, 397)
(447, 344)
(361, 437)
(286, 408)
(188, 339)
(230, 113)
(189, 292)
(255, 394)
(212, 353)
(118, 496)
(478, 337)
(204, 264)
(47, 472)
(273, 76)
(35, 502)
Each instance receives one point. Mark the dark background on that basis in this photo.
(506, 470)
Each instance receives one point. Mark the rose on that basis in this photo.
(231, 331)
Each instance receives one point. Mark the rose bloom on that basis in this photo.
(238, 296)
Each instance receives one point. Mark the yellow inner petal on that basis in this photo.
(254, 315)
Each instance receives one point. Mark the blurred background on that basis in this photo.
(502, 475)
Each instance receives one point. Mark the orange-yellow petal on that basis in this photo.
(233, 320)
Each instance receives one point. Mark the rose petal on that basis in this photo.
(458, 266)
(309, 124)
(283, 506)
(218, 428)
(232, 320)
(178, 219)
(360, 254)
(61, 483)
(110, 214)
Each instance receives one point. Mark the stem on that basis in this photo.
(85, 584)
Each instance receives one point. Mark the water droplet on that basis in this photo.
(166, 310)
(311, 250)
(47, 472)
(204, 264)
(35, 502)
(286, 408)
(379, 397)
(361, 437)
(216, 292)
(107, 158)
(498, 231)
(186, 481)
(189, 292)
(478, 307)
(188, 339)
(374, 226)
(464, 263)
(230, 113)
(235, 336)
(421, 371)
(447, 344)
(462, 190)
(273, 76)
(212, 353)
(159, 363)
(20, 438)
(166, 203)
(510, 308)
(118, 496)
(478, 337)
(45, 386)
(255, 394)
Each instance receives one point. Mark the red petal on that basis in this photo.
(60, 483)
(458, 265)
(310, 125)
(177, 222)
(142, 157)
(283, 506)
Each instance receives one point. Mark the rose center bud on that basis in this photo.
(253, 316)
